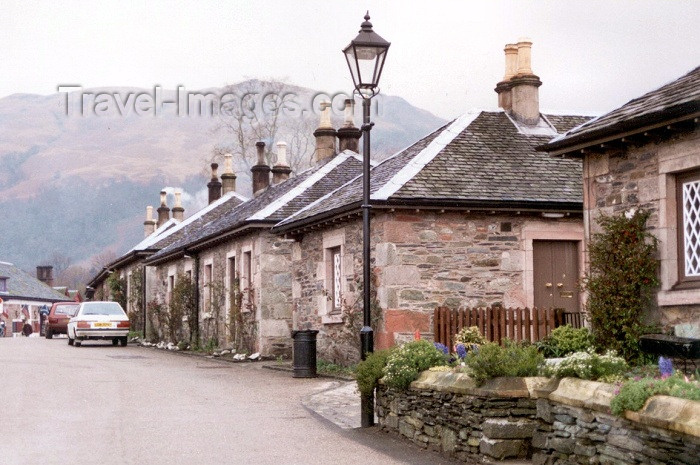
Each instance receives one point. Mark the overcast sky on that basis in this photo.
(446, 57)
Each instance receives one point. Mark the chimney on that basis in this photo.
(214, 184)
(325, 135)
(178, 211)
(281, 170)
(149, 226)
(44, 273)
(260, 172)
(163, 210)
(518, 93)
(349, 135)
(228, 177)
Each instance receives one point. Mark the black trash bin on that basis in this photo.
(304, 353)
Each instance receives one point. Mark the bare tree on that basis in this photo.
(59, 262)
(268, 111)
(101, 259)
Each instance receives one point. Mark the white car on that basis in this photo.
(98, 320)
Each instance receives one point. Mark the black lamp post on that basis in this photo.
(365, 55)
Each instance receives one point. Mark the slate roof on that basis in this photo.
(479, 159)
(22, 285)
(676, 99)
(166, 234)
(272, 205)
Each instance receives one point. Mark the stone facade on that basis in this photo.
(644, 176)
(550, 422)
(267, 294)
(420, 260)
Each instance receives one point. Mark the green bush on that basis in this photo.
(469, 336)
(587, 365)
(511, 359)
(406, 362)
(566, 340)
(633, 394)
(371, 370)
(621, 282)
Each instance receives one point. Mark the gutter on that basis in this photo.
(429, 204)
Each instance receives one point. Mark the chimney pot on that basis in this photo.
(524, 56)
(325, 135)
(261, 171)
(178, 211)
(214, 184)
(349, 135)
(149, 226)
(163, 210)
(228, 178)
(511, 61)
(281, 170)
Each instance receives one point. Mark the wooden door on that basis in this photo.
(555, 266)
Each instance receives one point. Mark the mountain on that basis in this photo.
(79, 167)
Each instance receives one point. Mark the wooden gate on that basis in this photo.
(498, 323)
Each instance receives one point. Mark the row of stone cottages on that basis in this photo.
(472, 214)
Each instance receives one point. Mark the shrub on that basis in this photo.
(565, 340)
(621, 282)
(469, 336)
(511, 359)
(633, 394)
(405, 363)
(587, 365)
(370, 371)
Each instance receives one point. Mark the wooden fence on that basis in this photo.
(498, 323)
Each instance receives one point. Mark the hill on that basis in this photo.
(80, 167)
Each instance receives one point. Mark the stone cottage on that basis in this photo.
(23, 296)
(646, 154)
(470, 215)
(242, 272)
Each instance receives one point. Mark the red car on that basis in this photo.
(59, 315)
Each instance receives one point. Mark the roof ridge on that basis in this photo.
(220, 201)
(291, 194)
(425, 156)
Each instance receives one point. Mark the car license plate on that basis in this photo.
(102, 325)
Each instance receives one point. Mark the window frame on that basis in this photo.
(684, 281)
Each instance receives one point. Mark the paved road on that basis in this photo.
(114, 405)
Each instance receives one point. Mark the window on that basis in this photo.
(171, 286)
(3, 284)
(336, 276)
(233, 284)
(688, 201)
(334, 279)
(208, 271)
(247, 278)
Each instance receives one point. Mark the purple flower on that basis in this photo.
(665, 367)
(461, 351)
(441, 347)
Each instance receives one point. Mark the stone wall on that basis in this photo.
(420, 260)
(549, 422)
(643, 176)
(271, 302)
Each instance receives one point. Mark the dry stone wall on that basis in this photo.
(547, 422)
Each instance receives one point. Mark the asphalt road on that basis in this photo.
(132, 405)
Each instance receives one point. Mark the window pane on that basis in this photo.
(691, 227)
(336, 279)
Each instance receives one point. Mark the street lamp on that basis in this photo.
(365, 55)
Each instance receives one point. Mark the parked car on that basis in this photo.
(99, 320)
(57, 321)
